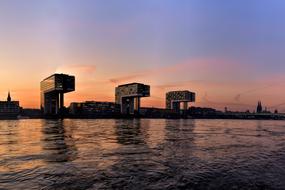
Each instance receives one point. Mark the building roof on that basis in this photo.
(180, 91)
(58, 74)
(132, 84)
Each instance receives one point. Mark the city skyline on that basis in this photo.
(229, 53)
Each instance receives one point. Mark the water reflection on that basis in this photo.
(129, 132)
(179, 139)
(9, 137)
(142, 154)
(176, 159)
(57, 141)
(60, 150)
(134, 164)
(17, 153)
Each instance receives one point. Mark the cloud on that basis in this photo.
(126, 78)
(142, 74)
(205, 98)
(238, 96)
(205, 101)
(179, 84)
(77, 69)
(194, 69)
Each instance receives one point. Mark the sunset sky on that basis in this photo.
(231, 53)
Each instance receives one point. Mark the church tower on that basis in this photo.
(259, 107)
(9, 97)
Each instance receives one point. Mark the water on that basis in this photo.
(142, 154)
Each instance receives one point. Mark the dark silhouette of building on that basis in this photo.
(9, 97)
(30, 113)
(259, 107)
(52, 93)
(151, 112)
(9, 109)
(128, 97)
(203, 112)
(174, 98)
(94, 109)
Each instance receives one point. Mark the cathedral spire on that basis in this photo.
(259, 107)
(9, 97)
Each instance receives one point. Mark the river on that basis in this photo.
(142, 154)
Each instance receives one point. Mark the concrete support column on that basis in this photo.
(61, 105)
(50, 105)
(45, 104)
(131, 105)
(176, 106)
(137, 104)
(185, 106)
(122, 104)
(57, 104)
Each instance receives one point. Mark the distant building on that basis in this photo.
(9, 108)
(31, 113)
(259, 107)
(52, 93)
(93, 109)
(194, 111)
(158, 113)
(174, 98)
(128, 96)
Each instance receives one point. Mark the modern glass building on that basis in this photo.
(52, 92)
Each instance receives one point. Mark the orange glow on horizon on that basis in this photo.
(93, 84)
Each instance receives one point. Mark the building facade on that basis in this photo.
(52, 92)
(9, 108)
(128, 96)
(174, 98)
(94, 108)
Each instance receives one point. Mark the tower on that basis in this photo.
(259, 107)
(9, 97)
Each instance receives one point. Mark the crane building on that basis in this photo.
(53, 89)
(129, 95)
(175, 98)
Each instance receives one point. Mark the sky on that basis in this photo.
(231, 53)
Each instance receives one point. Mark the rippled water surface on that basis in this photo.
(142, 154)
